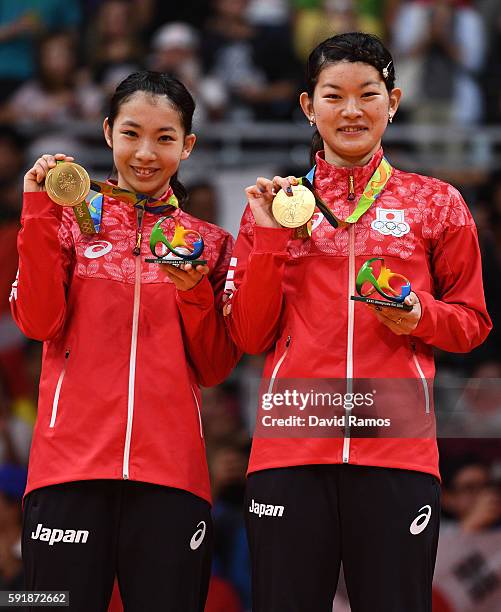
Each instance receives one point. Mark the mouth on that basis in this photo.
(352, 129)
(143, 173)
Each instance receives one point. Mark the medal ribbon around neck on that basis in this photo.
(372, 191)
(89, 214)
(138, 200)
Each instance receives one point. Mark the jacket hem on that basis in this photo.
(328, 461)
(76, 477)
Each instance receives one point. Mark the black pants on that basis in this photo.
(382, 524)
(156, 540)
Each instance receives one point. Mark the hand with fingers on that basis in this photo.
(34, 179)
(260, 197)
(186, 276)
(401, 322)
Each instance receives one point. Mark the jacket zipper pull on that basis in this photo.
(351, 187)
(67, 353)
(287, 342)
(139, 231)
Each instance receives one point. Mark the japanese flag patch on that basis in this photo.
(392, 222)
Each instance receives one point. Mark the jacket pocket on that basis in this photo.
(420, 372)
(197, 403)
(57, 393)
(278, 364)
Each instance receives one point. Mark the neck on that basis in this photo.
(331, 157)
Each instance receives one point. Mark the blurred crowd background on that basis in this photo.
(243, 61)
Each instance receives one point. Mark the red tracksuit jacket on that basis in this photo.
(124, 352)
(291, 298)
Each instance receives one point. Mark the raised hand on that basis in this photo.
(260, 197)
(34, 179)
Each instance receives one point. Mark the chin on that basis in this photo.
(144, 187)
(358, 150)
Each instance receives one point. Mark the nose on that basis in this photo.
(145, 150)
(351, 109)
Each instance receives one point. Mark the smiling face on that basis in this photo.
(350, 107)
(148, 142)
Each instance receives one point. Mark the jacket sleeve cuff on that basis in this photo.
(427, 324)
(200, 295)
(37, 205)
(271, 239)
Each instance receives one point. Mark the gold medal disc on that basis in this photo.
(68, 184)
(295, 210)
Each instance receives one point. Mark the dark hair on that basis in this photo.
(348, 47)
(159, 84)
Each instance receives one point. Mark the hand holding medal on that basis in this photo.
(34, 179)
(66, 183)
(261, 195)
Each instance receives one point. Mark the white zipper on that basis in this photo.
(55, 403)
(349, 349)
(424, 382)
(198, 409)
(132, 367)
(278, 364)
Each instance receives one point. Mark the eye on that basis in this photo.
(370, 94)
(130, 133)
(332, 97)
(166, 138)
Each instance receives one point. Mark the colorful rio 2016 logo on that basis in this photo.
(189, 240)
(381, 284)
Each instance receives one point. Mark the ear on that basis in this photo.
(107, 132)
(307, 105)
(189, 143)
(395, 96)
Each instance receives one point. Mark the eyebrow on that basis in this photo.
(136, 125)
(366, 84)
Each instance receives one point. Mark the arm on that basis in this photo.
(256, 299)
(38, 297)
(455, 318)
(209, 346)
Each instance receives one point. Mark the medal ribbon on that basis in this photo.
(372, 191)
(140, 201)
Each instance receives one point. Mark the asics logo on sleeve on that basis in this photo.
(98, 249)
(198, 537)
(68, 536)
(265, 509)
(421, 521)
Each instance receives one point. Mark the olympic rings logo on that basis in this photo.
(390, 222)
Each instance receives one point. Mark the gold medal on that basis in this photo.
(295, 210)
(68, 184)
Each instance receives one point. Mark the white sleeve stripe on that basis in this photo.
(13, 291)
